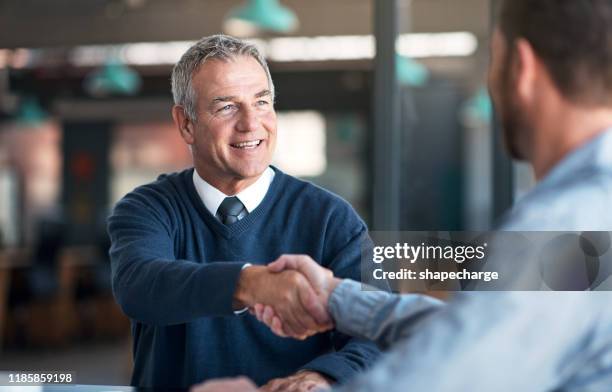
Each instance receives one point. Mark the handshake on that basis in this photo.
(289, 295)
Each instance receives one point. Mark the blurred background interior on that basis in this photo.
(405, 133)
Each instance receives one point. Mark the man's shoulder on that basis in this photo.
(320, 204)
(166, 182)
(166, 188)
(311, 193)
(575, 204)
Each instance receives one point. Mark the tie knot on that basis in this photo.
(231, 210)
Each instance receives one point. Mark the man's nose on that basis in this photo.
(248, 121)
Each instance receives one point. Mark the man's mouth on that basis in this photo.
(247, 145)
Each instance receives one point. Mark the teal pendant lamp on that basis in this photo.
(267, 15)
(479, 108)
(410, 72)
(30, 112)
(114, 78)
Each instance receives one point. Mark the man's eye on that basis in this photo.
(226, 108)
(262, 103)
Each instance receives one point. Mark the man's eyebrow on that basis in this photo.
(222, 99)
(229, 98)
(263, 93)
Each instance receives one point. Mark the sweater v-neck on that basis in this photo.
(248, 221)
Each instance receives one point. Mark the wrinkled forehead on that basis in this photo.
(239, 76)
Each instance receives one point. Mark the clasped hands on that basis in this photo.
(289, 295)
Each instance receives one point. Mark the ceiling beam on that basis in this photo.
(36, 24)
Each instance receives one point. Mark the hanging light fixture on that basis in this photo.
(256, 15)
(114, 77)
(30, 112)
(410, 72)
(479, 108)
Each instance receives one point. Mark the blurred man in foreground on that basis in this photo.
(551, 81)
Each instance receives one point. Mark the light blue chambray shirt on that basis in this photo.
(499, 341)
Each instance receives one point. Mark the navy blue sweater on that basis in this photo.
(175, 269)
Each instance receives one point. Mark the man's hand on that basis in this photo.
(239, 384)
(322, 281)
(302, 381)
(284, 291)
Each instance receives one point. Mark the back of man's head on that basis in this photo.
(573, 38)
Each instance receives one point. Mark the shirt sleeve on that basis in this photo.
(485, 341)
(147, 278)
(364, 312)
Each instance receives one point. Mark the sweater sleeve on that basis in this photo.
(148, 282)
(352, 355)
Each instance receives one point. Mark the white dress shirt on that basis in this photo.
(251, 196)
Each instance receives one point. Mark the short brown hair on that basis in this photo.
(572, 37)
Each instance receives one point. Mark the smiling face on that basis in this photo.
(234, 136)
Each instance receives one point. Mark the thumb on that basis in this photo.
(282, 263)
(314, 305)
(278, 265)
(315, 274)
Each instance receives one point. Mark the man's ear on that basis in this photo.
(525, 68)
(183, 123)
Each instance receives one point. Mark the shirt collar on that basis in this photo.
(594, 154)
(251, 196)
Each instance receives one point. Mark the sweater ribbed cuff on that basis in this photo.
(332, 365)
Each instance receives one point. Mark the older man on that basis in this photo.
(187, 250)
(551, 80)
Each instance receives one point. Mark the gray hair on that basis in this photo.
(221, 47)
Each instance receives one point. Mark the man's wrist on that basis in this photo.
(332, 286)
(334, 283)
(247, 282)
(237, 311)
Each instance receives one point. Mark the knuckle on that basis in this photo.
(286, 296)
(293, 276)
